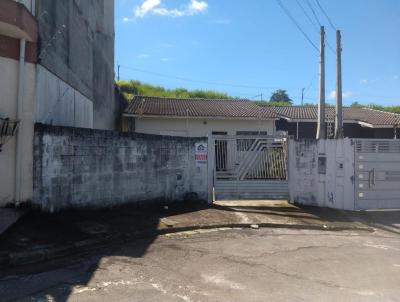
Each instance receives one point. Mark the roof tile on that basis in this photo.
(366, 115)
(158, 106)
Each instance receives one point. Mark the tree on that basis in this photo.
(356, 105)
(281, 96)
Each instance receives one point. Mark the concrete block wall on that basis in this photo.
(321, 173)
(75, 167)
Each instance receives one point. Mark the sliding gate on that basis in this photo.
(377, 168)
(250, 167)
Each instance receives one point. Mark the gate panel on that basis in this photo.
(250, 167)
(377, 170)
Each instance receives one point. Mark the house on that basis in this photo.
(301, 122)
(200, 117)
(197, 117)
(56, 68)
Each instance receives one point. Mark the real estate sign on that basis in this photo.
(201, 153)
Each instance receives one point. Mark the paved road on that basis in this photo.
(226, 265)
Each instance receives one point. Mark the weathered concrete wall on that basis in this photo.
(59, 104)
(76, 43)
(96, 168)
(321, 173)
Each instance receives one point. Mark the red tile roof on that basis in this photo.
(366, 115)
(215, 108)
(245, 109)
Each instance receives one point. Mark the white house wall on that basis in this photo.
(59, 104)
(195, 127)
(8, 108)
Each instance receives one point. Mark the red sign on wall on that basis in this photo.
(200, 157)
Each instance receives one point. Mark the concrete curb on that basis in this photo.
(46, 253)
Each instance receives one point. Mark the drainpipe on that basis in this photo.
(20, 99)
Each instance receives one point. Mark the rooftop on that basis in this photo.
(197, 108)
(142, 106)
(368, 116)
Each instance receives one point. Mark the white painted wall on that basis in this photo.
(309, 186)
(8, 108)
(199, 127)
(59, 104)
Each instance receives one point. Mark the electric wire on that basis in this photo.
(196, 81)
(307, 15)
(287, 12)
(313, 12)
(326, 15)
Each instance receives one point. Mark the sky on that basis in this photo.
(248, 48)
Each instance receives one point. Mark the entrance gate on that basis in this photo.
(250, 167)
(377, 167)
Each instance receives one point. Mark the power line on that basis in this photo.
(307, 15)
(313, 23)
(330, 47)
(197, 81)
(326, 15)
(313, 12)
(287, 12)
(317, 19)
(311, 83)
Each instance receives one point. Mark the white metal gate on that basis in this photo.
(250, 167)
(377, 167)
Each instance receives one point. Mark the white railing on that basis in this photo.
(29, 4)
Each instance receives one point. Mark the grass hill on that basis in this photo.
(133, 87)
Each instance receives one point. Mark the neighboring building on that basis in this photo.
(56, 67)
(301, 122)
(200, 117)
(76, 63)
(197, 117)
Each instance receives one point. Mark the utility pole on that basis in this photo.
(119, 66)
(302, 96)
(339, 105)
(321, 128)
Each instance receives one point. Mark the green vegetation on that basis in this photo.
(393, 109)
(278, 98)
(131, 88)
(270, 103)
(281, 96)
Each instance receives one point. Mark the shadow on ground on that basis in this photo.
(140, 225)
(386, 220)
(38, 230)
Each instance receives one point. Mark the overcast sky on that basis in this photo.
(246, 48)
